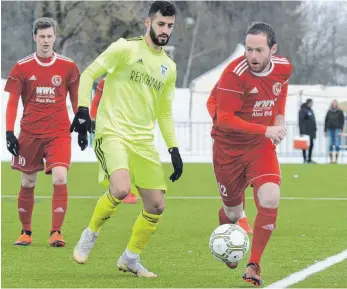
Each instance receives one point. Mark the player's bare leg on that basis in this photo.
(59, 205)
(25, 208)
(267, 200)
(230, 215)
(120, 185)
(144, 227)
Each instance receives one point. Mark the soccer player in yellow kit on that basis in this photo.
(138, 90)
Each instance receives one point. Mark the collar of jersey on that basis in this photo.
(150, 48)
(261, 74)
(48, 63)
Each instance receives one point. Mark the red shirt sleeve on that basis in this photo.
(74, 79)
(282, 100)
(11, 111)
(230, 95)
(14, 83)
(212, 103)
(96, 99)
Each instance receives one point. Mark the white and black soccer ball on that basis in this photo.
(229, 243)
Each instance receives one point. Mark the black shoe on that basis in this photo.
(311, 162)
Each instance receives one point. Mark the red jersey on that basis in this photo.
(96, 99)
(243, 103)
(43, 85)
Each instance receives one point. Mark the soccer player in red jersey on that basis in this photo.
(243, 220)
(42, 81)
(131, 197)
(249, 100)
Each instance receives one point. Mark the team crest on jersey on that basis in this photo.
(56, 80)
(163, 69)
(276, 89)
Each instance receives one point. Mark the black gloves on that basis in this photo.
(81, 123)
(93, 126)
(12, 143)
(176, 163)
(83, 141)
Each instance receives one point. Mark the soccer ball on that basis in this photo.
(229, 243)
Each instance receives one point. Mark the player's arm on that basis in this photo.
(11, 114)
(167, 127)
(73, 82)
(11, 111)
(93, 71)
(96, 99)
(95, 103)
(164, 117)
(280, 114)
(212, 103)
(14, 86)
(230, 95)
(115, 55)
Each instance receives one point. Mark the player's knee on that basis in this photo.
(59, 176)
(269, 195)
(120, 184)
(29, 181)
(59, 180)
(157, 207)
(233, 213)
(120, 192)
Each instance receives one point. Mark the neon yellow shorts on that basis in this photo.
(142, 161)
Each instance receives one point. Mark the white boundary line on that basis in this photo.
(310, 270)
(189, 198)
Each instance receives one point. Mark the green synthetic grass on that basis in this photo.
(307, 231)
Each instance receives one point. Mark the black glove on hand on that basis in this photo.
(176, 163)
(83, 141)
(81, 122)
(12, 143)
(93, 126)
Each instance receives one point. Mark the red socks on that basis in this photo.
(265, 223)
(59, 206)
(25, 207)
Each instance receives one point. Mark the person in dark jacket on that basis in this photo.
(307, 126)
(333, 126)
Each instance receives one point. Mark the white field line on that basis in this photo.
(310, 270)
(191, 198)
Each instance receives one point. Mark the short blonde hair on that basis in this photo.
(43, 23)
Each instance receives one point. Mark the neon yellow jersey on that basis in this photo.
(139, 89)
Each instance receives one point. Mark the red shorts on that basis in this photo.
(56, 151)
(256, 167)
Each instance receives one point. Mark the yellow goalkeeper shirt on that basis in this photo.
(139, 89)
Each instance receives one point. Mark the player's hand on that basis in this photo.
(176, 163)
(83, 141)
(81, 122)
(276, 133)
(12, 143)
(93, 126)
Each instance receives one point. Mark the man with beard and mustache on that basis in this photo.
(138, 90)
(248, 104)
